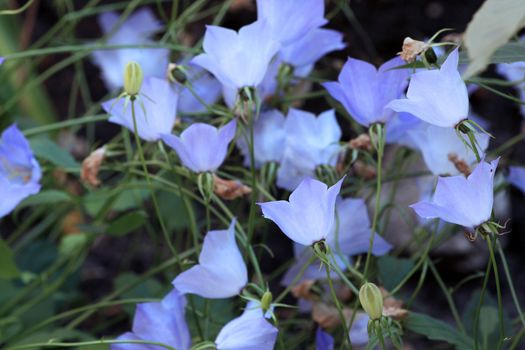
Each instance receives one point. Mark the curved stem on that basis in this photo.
(511, 284)
(475, 324)
(338, 306)
(490, 244)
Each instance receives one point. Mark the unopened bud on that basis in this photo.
(266, 301)
(133, 77)
(371, 300)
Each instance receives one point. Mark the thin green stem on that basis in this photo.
(294, 281)
(511, 284)
(380, 144)
(475, 324)
(338, 306)
(148, 180)
(490, 244)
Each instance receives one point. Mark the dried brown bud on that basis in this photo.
(460, 164)
(411, 49)
(361, 142)
(91, 167)
(364, 170)
(393, 307)
(303, 290)
(71, 222)
(229, 189)
(327, 316)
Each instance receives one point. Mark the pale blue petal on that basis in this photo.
(359, 331)
(247, 332)
(221, 272)
(516, 177)
(306, 15)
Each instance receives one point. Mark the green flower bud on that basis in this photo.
(205, 183)
(132, 78)
(266, 301)
(371, 300)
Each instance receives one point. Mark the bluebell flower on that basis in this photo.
(237, 59)
(309, 214)
(438, 145)
(306, 15)
(400, 125)
(269, 139)
(250, 331)
(162, 322)
(20, 173)
(160, 104)
(310, 142)
(437, 96)
(205, 86)
(515, 72)
(364, 91)
(516, 177)
(462, 201)
(323, 340)
(349, 235)
(221, 272)
(311, 47)
(202, 147)
(136, 30)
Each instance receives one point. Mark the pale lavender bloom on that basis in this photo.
(205, 86)
(250, 331)
(290, 20)
(398, 128)
(20, 173)
(311, 47)
(323, 340)
(161, 322)
(515, 72)
(364, 91)
(516, 177)
(310, 141)
(2, 59)
(269, 139)
(436, 144)
(349, 235)
(221, 272)
(237, 59)
(158, 100)
(437, 96)
(462, 201)
(136, 30)
(309, 214)
(359, 330)
(202, 147)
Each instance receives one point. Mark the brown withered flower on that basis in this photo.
(91, 167)
(229, 189)
(411, 49)
(460, 164)
(393, 307)
(361, 142)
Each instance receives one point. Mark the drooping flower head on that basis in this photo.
(237, 59)
(221, 272)
(437, 96)
(349, 236)
(517, 177)
(160, 105)
(202, 147)
(292, 19)
(20, 173)
(310, 142)
(440, 146)
(250, 331)
(135, 30)
(364, 91)
(309, 214)
(269, 139)
(462, 201)
(162, 322)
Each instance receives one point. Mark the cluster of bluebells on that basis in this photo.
(426, 110)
